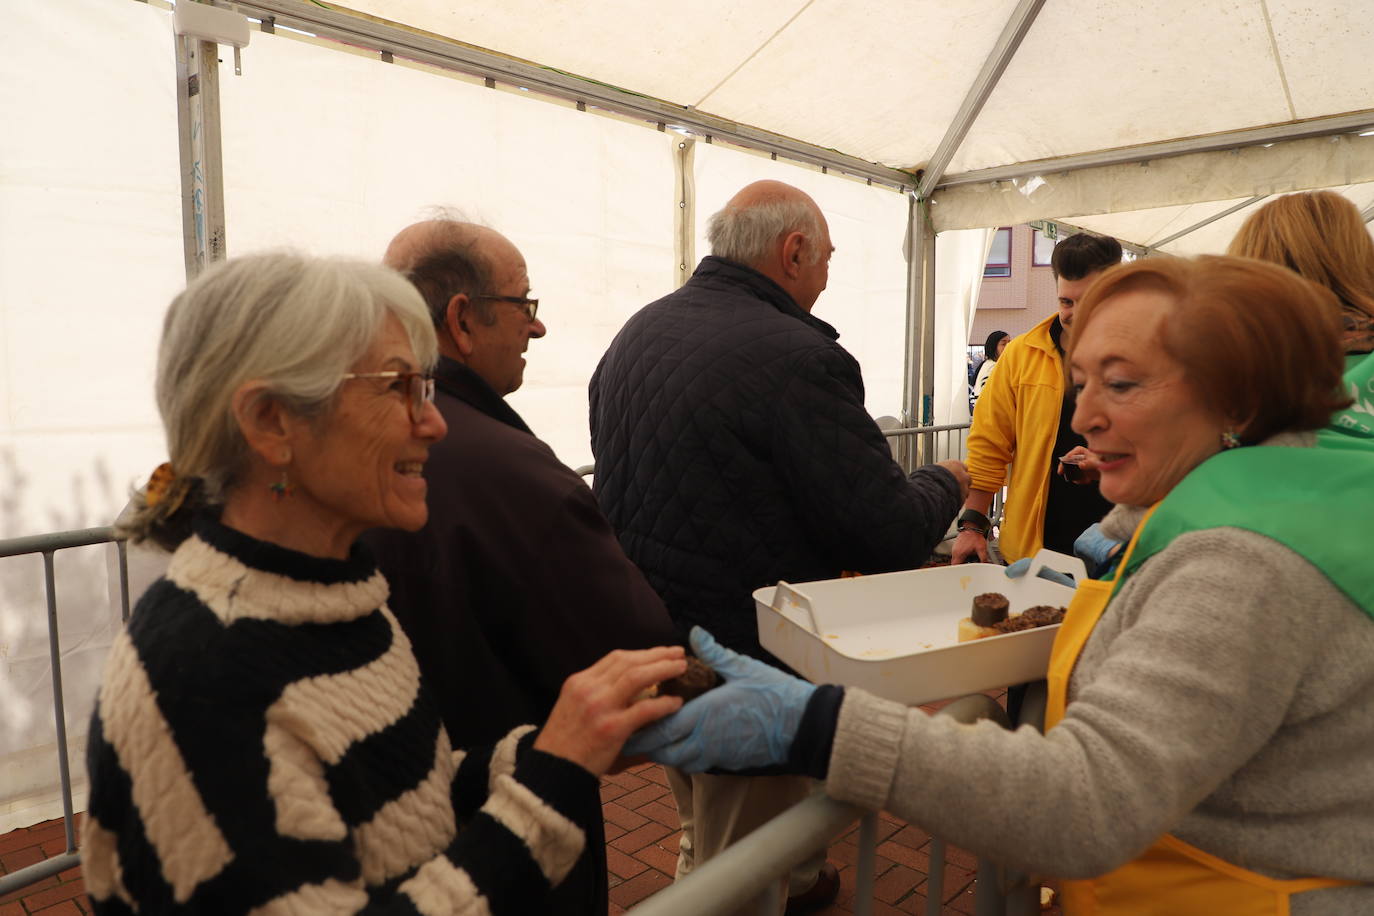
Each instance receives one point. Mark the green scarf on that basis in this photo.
(1318, 502)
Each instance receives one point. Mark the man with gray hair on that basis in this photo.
(516, 581)
(733, 450)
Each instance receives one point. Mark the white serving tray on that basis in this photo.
(896, 634)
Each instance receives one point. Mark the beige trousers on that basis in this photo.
(718, 810)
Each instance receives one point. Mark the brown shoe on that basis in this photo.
(823, 892)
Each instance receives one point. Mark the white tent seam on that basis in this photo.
(755, 53)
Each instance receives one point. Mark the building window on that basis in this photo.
(999, 256)
(1044, 247)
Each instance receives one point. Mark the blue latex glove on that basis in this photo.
(749, 721)
(1018, 569)
(1094, 547)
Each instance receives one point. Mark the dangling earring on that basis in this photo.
(1229, 439)
(282, 488)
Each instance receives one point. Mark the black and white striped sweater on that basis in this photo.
(262, 743)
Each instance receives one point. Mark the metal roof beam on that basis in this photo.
(1208, 221)
(1007, 43)
(452, 55)
(1236, 139)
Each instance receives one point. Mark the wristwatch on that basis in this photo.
(973, 520)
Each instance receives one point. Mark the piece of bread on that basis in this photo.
(968, 630)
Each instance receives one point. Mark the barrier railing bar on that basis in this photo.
(754, 862)
(48, 545)
(123, 547)
(57, 540)
(586, 469)
(59, 713)
(867, 864)
(32, 874)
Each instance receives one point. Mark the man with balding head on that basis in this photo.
(516, 581)
(733, 450)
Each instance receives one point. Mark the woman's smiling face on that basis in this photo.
(1135, 407)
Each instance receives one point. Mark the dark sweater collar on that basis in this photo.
(713, 270)
(454, 378)
(282, 561)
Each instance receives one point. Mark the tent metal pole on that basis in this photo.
(1012, 34)
(918, 386)
(1208, 221)
(1236, 139)
(684, 209)
(202, 169)
(918, 393)
(453, 55)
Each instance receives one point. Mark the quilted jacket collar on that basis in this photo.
(713, 271)
(453, 378)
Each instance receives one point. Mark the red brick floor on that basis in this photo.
(62, 894)
(642, 831)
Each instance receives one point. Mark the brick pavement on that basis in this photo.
(642, 831)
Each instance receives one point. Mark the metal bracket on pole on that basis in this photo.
(684, 209)
(202, 169)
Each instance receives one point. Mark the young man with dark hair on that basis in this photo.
(1022, 420)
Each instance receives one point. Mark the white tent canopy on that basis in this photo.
(598, 136)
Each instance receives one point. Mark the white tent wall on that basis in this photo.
(333, 153)
(327, 151)
(90, 254)
(959, 259)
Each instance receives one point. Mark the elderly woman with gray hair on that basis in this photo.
(262, 741)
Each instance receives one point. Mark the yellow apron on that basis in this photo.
(1171, 878)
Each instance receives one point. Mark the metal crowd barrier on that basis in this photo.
(753, 865)
(941, 443)
(743, 872)
(47, 545)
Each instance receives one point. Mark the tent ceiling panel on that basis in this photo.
(1113, 74)
(674, 54)
(883, 78)
(1325, 50)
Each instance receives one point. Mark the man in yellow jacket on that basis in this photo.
(1022, 419)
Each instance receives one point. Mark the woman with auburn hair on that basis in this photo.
(262, 741)
(1320, 236)
(1208, 723)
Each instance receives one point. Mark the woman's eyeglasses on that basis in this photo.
(419, 388)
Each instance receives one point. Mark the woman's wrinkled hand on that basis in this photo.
(600, 707)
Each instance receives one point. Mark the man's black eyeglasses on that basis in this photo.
(527, 305)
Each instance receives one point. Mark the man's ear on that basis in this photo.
(457, 318)
(793, 250)
(266, 425)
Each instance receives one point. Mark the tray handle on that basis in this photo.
(1059, 562)
(797, 599)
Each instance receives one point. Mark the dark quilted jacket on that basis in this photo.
(733, 450)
